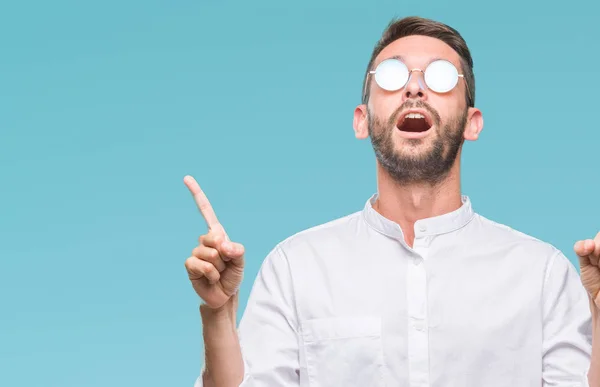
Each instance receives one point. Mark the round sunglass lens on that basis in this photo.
(441, 76)
(391, 74)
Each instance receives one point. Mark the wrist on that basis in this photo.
(595, 312)
(226, 312)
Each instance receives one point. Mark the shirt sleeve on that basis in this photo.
(567, 327)
(268, 330)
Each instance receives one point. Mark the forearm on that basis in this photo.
(224, 366)
(594, 371)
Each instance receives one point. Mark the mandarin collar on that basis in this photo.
(436, 225)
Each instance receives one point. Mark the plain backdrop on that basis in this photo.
(106, 106)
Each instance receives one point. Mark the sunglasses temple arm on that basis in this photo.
(467, 86)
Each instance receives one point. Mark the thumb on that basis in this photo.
(233, 251)
(584, 248)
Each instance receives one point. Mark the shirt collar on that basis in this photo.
(436, 225)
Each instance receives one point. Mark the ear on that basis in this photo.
(474, 124)
(361, 122)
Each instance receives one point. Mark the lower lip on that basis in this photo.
(414, 134)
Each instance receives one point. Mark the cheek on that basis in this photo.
(446, 109)
(383, 108)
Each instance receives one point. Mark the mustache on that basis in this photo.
(414, 105)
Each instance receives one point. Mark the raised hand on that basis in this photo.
(216, 266)
(588, 252)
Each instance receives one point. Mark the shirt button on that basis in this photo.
(422, 228)
(419, 325)
(416, 261)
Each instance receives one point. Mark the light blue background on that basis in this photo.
(105, 106)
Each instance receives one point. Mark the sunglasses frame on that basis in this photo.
(410, 71)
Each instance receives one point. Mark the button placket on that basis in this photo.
(418, 344)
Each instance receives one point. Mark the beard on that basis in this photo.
(430, 167)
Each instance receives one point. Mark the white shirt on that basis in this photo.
(472, 303)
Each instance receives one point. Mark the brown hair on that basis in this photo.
(414, 25)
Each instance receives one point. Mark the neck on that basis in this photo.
(405, 204)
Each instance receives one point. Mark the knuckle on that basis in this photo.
(205, 267)
(197, 251)
(202, 239)
(210, 271)
(217, 238)
(194, 266)
(212, 254)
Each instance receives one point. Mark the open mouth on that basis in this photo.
(414, 122)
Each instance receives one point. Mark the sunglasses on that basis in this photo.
(440, 76)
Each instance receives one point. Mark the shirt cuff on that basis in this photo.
(245, 382)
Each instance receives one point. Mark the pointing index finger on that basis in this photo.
(202, 202)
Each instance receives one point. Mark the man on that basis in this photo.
(416, 289)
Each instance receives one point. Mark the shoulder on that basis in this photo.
(310, 243)
(499, 234)
(335, 229)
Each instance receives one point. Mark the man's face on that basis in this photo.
(412, 149)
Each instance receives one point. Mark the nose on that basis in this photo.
(415, 86)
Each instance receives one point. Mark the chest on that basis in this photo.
(447, 284)
(382, 311)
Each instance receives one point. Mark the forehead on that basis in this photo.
(418, 51)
